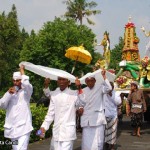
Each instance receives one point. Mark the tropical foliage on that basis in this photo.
(116, 53)
(11, 41)
(79, 9)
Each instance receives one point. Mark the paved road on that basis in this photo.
(125, 140)
(128, 142)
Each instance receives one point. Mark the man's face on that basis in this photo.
(62, 83)
(90, 82)
(133, 87)
(17, 82)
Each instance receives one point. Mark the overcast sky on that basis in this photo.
(32, 14)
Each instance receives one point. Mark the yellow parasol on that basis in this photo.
(78, 54)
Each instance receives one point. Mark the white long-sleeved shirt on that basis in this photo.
(62, 111)
(18, 119)
(111, 104)
(93, 114)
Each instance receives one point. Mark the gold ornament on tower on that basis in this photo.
(130, 50)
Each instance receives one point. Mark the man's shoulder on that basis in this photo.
(140, 91)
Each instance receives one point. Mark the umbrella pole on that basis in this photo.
(73, 68)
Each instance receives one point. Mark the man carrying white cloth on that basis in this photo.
(93, 118)
(16, 101)
(62, 110)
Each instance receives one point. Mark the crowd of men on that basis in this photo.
(96, 103)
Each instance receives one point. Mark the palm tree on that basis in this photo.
(78, 9)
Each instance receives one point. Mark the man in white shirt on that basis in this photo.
(16, 101)
(62, 110)
(111, 101)
(93, 118)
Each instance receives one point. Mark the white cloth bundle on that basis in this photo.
(53, 73)
(47, 72)
(98, 76)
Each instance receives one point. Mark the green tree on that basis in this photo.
(49, 46)
(9, 46)
(79, 9)
(24, 36)
(116, 55)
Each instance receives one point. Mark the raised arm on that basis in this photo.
(25, 81)
(81, 97)
(106, 86)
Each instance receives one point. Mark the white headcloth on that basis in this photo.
(17, 75)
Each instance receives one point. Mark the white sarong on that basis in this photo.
(23, 142)
(52, 144)
(63, 145)
(93, 138)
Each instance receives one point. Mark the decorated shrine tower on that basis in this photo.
(130, 50)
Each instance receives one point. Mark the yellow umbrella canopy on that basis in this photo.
(79, 54)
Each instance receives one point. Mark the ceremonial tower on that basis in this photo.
(130, 50)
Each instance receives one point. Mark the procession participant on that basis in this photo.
(47, 93)
(135, 107)
(93, 118)
(111, 101)
(16, 101)
(62, 110)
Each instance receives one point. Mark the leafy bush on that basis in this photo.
(38, 115)
(2, 120)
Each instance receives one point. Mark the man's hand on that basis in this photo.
(80, 111)
(22, 69)
(12, 90)
(43, 132)
(46, 82)
(77, 82)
